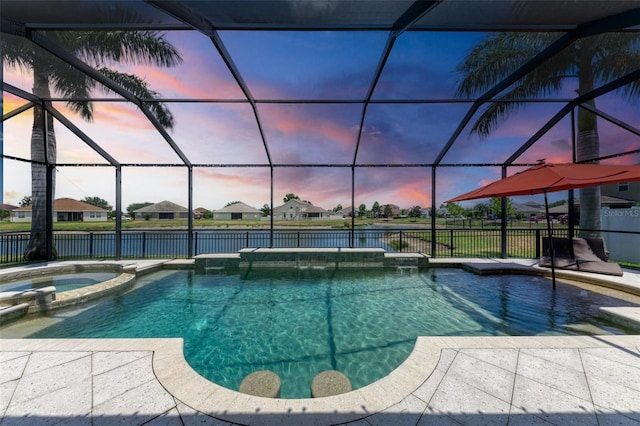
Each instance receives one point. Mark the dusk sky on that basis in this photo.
(299, 66)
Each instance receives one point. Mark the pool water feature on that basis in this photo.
(62, 282)
(299, 323)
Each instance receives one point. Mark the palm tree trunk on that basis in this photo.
(588, 148)
(43, 151)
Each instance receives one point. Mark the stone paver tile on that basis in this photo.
(272, 412)
(13, 368)
(105, 361)
(612, 371)
(53, 378)
(565, 357)
(136, 406)
(446, 358)
(76, 421)
(569, 380)
(361, 422)
(170, 418)
(486, 377)
(506, 359)
(628, 356)
(39, 361)
(7, 356)
(406, 412)
(519, 417)
(71, 402)
(551, 404)
(191, 417)
(117, 381)
(608, 417)
(6, 393)
(431, 419)
(613, 396)
(467, 404)
(426, 390)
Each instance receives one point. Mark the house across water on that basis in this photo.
(65, 210)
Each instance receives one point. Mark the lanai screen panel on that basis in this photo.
(412, 134)
(320, 62)
(404, 186)
(311, 133)
(555, 146)
(323, 187)
(422, 65)
(218, 133)
(509, 135)
(293, 65)
(214, 187)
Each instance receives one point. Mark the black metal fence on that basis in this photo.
(453, 242)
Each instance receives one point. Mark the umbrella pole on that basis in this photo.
(551, 249)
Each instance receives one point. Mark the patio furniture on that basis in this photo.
(580, 254)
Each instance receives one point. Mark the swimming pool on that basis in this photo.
(299, 323)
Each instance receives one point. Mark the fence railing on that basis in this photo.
(453, 242)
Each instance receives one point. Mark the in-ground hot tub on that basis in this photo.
(46, 287)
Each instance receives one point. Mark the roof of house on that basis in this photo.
(607, 199)
(315, 209)
(533, 204)
(561, 209)
(527, 207)
(200, 210)
(68, 205)
(8, 207)
(162, 207)
(306, 206)
(238, 207)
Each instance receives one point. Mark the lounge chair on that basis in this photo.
(580, 254)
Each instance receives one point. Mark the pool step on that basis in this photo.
(407, 270)
(36, 299)
(214, 270)
(9, 312)
(627, 316)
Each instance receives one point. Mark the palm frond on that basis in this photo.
(135, 47)
(497, 112)
(76, 86)
(139, 88)
(16, 52)
(618, 55)
(496, 57)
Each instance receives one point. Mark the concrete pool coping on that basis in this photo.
(445, 380)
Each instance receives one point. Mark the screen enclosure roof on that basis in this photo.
(333, 83)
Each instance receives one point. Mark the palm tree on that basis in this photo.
(590, 60)
(98, 49)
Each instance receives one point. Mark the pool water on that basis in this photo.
(299, 323)
(62, 282)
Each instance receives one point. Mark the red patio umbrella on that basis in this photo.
(543, 178)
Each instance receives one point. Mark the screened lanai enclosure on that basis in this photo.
(345, 102)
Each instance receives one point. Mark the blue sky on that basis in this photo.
(299, 66)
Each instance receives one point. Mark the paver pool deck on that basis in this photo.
(537, 380)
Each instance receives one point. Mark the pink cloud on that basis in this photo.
(185, 83)
(291, 122)
(121, 114)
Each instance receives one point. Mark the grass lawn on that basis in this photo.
(6, 226)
